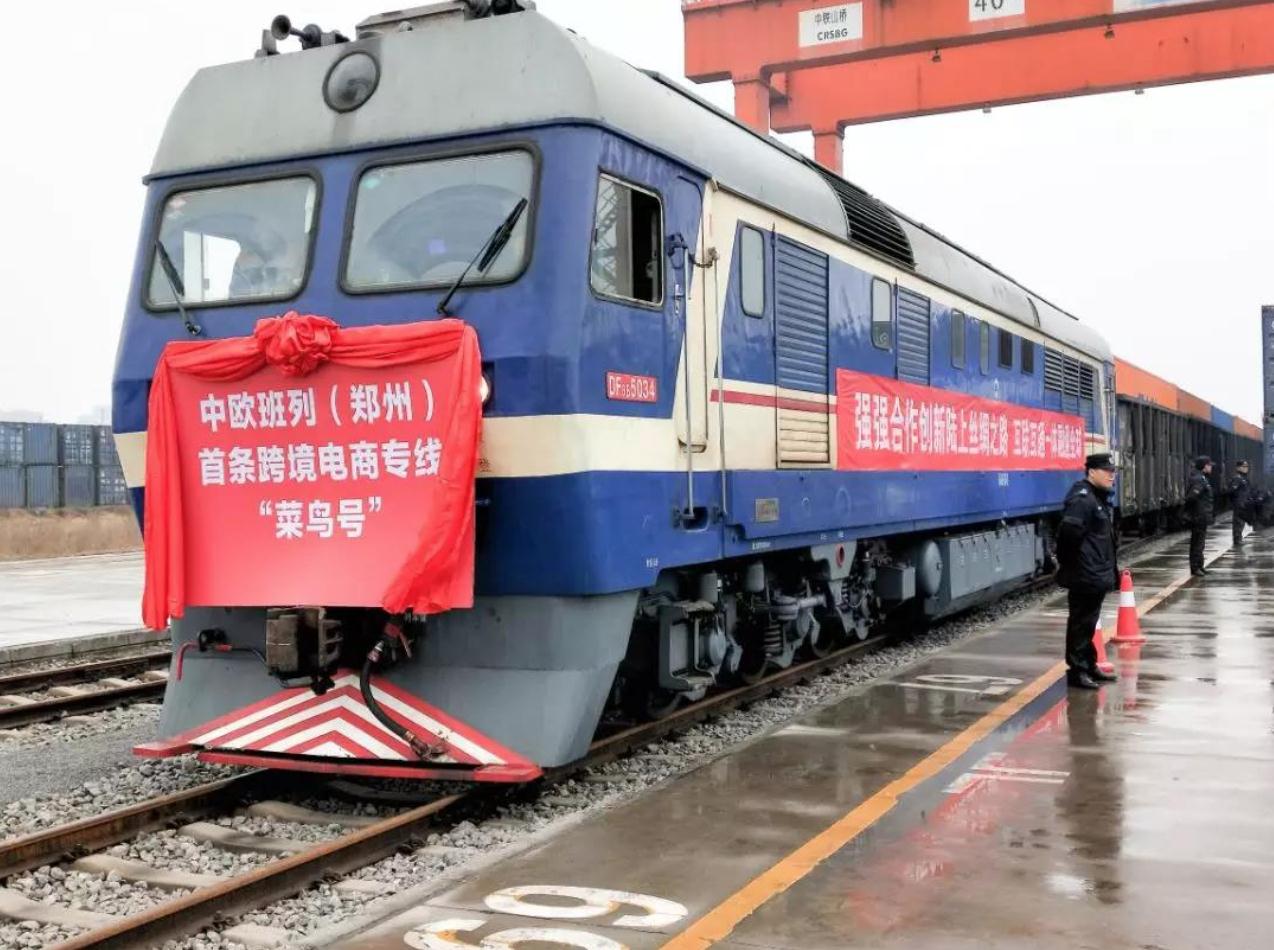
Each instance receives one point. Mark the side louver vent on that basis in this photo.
(801, 353)
(871, 224)
(1054, 371)
(913, 337)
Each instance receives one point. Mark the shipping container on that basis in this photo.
(1133, 382)
(1222, 420)
(106, 456)
(79, 486)
(1246, 429)
(11, 443)
(1191, 405)
(40, 444)
(77, 445)
(13, 487)
(42, 485)
(111, 487)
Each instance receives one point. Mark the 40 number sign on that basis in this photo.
(993, 9)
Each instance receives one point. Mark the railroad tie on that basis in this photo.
(170, 880)
(139, 873)
(14, 905)
(256, 935)
(285, 811)
(232, 840)
(67, 692)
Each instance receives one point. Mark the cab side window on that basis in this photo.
(752, 271)
(1006, 349)
(882, 314)
(627, 254)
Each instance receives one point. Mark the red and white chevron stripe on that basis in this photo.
(338, 725)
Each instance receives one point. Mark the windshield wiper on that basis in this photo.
(177, 286)
(488, 252)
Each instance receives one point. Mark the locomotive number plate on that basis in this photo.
(624, 387)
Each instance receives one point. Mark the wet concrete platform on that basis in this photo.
(968, 801)
(62, 599)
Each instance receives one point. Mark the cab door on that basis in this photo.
(689, 280)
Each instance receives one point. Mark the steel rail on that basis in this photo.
(47, 710)
(78, 838)
(270, 882)
(83, 672)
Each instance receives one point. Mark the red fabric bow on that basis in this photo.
(297, 344)
(439, 573)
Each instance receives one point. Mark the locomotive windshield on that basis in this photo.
(235, 243)
(420, 224)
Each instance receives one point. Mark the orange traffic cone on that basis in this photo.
(1129, 628)
(1099, 642)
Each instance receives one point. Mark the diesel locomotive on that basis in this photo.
(736, 409)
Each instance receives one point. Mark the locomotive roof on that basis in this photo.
(520, 70)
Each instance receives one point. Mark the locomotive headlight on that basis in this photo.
(351, 81)
(484, 389)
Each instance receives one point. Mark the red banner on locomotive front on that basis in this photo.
(332, 473)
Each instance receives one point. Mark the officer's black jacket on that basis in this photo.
(1240, 493)
(1086, 540)
(1198, 499)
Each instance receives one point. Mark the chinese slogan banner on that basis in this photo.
(310, 465)
(884, 424)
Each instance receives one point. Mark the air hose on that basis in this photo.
(422, 749)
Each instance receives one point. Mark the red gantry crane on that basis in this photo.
(818, 65)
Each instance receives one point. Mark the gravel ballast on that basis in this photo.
(124, 786)
(138, 716)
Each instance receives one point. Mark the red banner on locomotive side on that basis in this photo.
(888, 425)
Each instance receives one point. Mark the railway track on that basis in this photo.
(78, 844)
(362, 843)
(81, 688)
(84, 672)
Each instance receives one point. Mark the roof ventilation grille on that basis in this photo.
(871, 224)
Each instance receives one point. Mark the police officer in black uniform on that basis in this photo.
(1087, 566)
(1199, 511)
(1240, 500)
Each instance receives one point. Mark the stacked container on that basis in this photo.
(42, 486)
(13, 490)
(111, 488)
(40, 456)
(77, 455)
(43, 465)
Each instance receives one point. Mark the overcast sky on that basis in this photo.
(1150, 217)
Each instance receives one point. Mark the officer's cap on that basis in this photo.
(1101, 460)
(1201, 462)
(1241, 463)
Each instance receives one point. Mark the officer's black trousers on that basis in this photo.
(1085, 608)
(1237, 533)
(1198, 534)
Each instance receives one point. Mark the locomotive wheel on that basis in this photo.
(659, 703)
(751, 666)
(821, 644)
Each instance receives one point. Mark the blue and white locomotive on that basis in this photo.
(663, 499)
